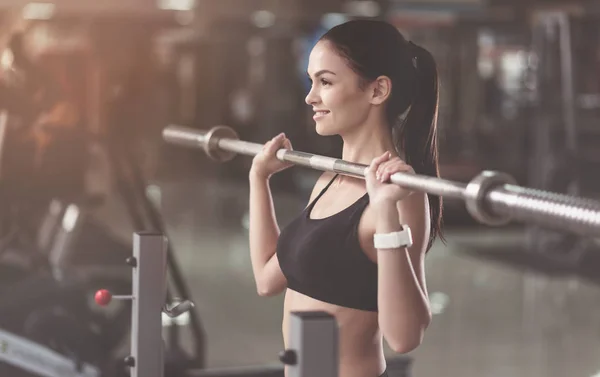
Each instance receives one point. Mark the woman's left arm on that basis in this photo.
(404, 311)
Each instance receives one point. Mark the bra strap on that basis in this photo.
(323, 191)
(330, 183)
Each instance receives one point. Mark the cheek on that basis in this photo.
(331, 98)
(345, 104)
(337, 98)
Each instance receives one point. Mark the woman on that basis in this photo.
(379, 93)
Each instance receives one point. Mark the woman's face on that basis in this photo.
(336, 97)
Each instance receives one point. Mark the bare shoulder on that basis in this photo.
(323, 180)
(414, 208)
(412, 211)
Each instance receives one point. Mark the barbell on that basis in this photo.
(492, 198)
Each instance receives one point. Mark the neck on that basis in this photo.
(366, 142)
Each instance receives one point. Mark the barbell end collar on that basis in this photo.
(476, 191)
(211, 144)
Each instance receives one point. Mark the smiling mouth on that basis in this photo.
(319, 114)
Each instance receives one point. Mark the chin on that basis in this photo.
(324, 130)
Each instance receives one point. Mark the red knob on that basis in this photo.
(103, 297)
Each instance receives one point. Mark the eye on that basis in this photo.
(321, 81)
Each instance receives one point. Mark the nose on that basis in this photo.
(311, 97)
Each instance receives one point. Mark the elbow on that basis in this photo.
(403, 347)
(406, 344)
(408, 341)
(267, 289)
(426, 320)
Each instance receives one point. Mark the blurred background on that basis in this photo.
(86, 88)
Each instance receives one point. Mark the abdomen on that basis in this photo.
(360, 342)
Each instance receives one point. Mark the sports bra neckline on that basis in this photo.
(312, 205)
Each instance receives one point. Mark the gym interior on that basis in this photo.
(87, 89)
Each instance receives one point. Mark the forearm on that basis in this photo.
(264, 230)
(403, 305)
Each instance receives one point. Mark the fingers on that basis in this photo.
(382, 158)
(273, 145)
(394, 165)
(280, 141)
(392, 169)
(376, 162)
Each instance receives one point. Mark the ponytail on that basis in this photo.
(374, 48)
(416, 134)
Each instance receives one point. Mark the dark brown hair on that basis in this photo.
(376, 48)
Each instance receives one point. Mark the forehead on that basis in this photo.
(323, 56)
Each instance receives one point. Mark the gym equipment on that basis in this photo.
(131, 186)
(144, 215)
(313, 350)
(492, 198)
(86, 260)
(76, 248)
(45, 314)
(47, 327)
(560, 134)
(49, 322)
(22, 354)
(149, 292)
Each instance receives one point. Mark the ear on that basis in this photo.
(381, 89)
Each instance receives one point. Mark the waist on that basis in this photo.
(360, 341)
(351, 322)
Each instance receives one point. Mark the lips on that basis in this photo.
(320, 113)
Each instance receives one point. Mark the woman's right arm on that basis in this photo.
(264, 231)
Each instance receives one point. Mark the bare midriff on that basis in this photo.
(360, 343)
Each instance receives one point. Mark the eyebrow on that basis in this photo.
(321, 72)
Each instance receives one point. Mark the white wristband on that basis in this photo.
(394, 240)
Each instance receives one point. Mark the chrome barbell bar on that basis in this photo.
(492, 198)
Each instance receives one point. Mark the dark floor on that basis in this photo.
(491, 319)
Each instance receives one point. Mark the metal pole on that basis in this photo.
(313, 349)
(492, 198)
(568, 94)
(149, 293)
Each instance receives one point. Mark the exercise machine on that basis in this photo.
(312, 352)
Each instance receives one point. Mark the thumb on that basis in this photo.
(275, 144)
(370, 170)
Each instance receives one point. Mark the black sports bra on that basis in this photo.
(322, 258)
